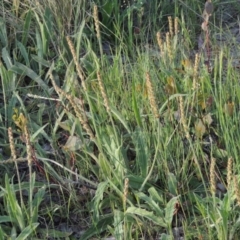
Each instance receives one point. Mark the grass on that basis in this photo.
(118, 122)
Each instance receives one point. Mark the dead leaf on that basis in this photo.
(200, 128)
(170, 87)
(207, 119)
(229, 108)
(73, 143)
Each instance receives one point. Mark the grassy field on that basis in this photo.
(119, 119)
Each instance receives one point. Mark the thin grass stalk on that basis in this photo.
(125, 195)
(195, 85)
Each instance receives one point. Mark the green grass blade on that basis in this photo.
(26, 28)
(26, 232)
(21, 69)
(135, 108)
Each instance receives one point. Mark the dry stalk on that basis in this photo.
(78, 67)
(182, 118)
(195, 71)
(14, 158)
(12, 145)
(78, 110)
(103, 92)
(169, 47)
(97, 27)
(125, 192)
(236, 189)
(170, 25)
(229, 172)
(176, 26)
(212, 176)
(96, 21)
(207, 12)
(151, 95)
(160, 43)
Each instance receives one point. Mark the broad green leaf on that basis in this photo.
(136, 181)
(6, 58)
(13, 208)
(156, 195)
(169, 210)
(146, 214)
(26, 27)
(3, 33)
(4, 219)
(164, 236)
(118, 225)
(151, 203)
(2, 234)
(104, 165)
(140, 140)
(172, 184)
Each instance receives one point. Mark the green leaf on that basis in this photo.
(98, 227)
(151, 203)
(13, 208)
(135, 108)
(156, 196)
(142, 151)
(24, 53)
(3, 33)
(118, 225)
(2, 234)
(146, 214)
(136, 181)
(26, 27)
(169, 210)
(164, 236)
(4, 219)
(38, 197)
(6, 58)
(172, 184)
(52, 233)
(24, 70)
(41, 61)
(26, 232)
